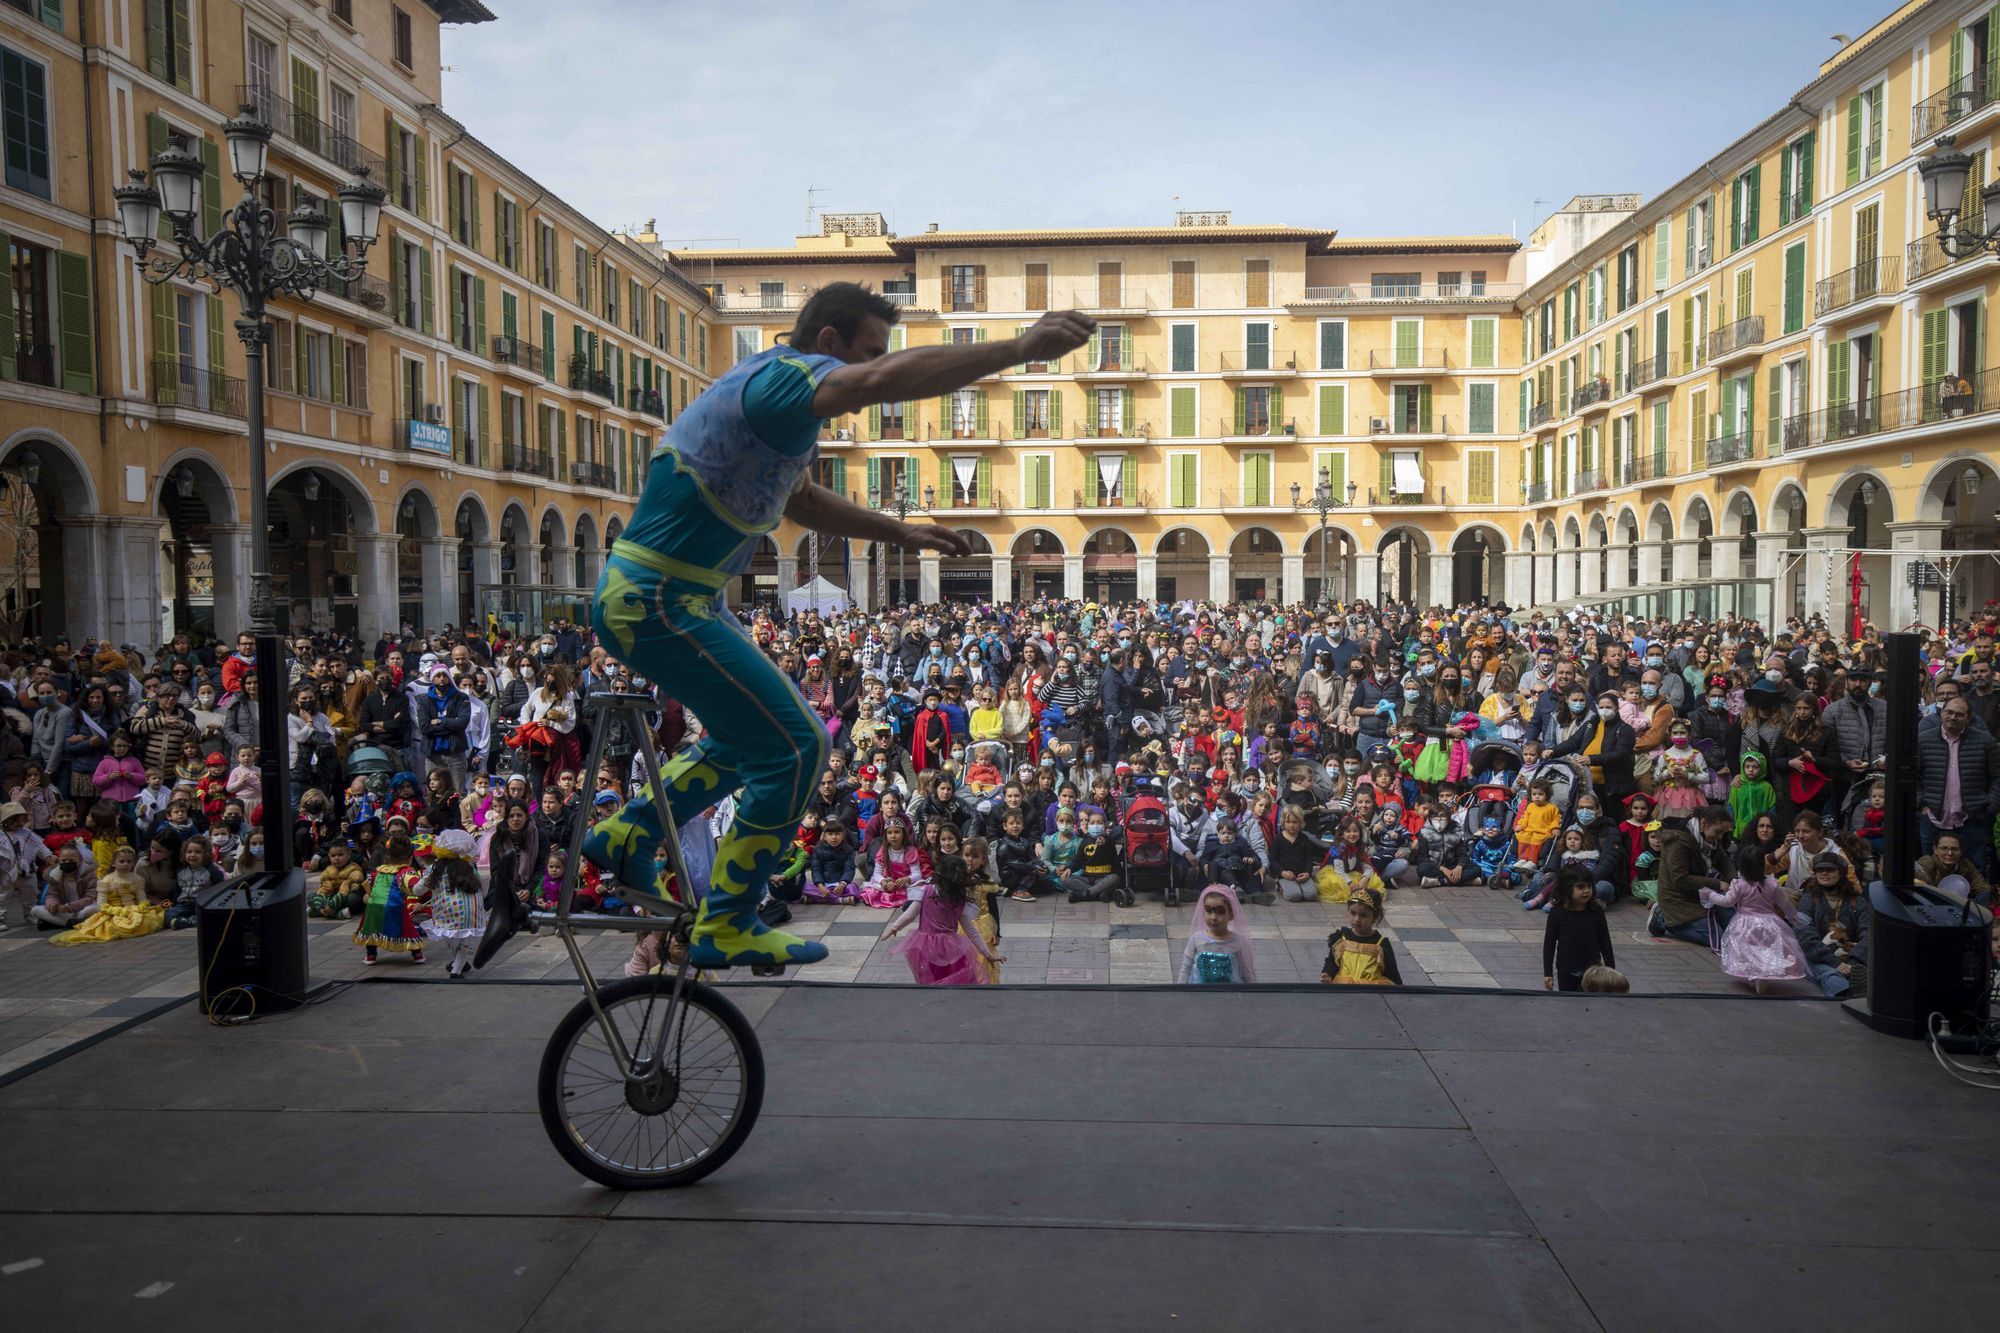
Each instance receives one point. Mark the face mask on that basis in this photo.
(1089, 757)
(1679, 740)
(1382, 676)
(1607, 713)
(1125, 643)
(1097, 830)
(1648, 691)
(1439, 824)
(1717, 702)
(1774, 675)
(1236, 662)
(1576, 706)
(1351, 770)
(1410, 694)
(1874, 688)
(1069, 657)
(1654, 661)
(1427, 669)
(1586, 815)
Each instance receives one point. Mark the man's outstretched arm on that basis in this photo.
(926, 372)
(814, 506)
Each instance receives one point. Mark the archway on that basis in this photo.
(552, 565)
(1569, 559)
(1110, 566)
(1038, 565)
(1181, 568)
(1626, 534)
(1862, 504)
(1339, 563)
(416, 524)
(194, 495)
(516, 556)
(471, 528)
(757, 585)
(1256, 565)
(1405, 573)
(1787, 514)
(1698, 525)
(967, 578)
(317, 514)
(45, 566)
(1597, 554)
(1477, 567)
(1548, 582)
(586, 558)
(1963, 492)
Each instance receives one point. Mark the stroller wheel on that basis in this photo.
(1122, 896)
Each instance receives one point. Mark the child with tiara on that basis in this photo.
(1759, 945)
(1219, 951)
(947, 948)
(1358, 954)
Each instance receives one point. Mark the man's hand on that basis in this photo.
(946, 541)
(1053, 334)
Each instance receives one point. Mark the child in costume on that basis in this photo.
(1536, 823)
(1678, 774)
(985, 896)
(940, 953)
(1347, 870)
(339, 894)
(389, 919)
(1751, 793)
(457, 899)
(1358, 954)
(1578, 856)
(1759, 945)
(1488, 855)
(123, 911)
(1219, 951)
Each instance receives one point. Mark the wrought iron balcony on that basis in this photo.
(1864, 284)
(1936, 114)
(1730, 450)
(1644, 467)
(526, 462)
(1591, 393)
(1398, 424)
(1646, 370)
(35, 363)
(1734, 341)
(650, 402)
(1228, 428)
(1539, 492)
(519, 354)
(1590, 480)
(599, 382)
(1095, 498)
(1258, 362)
(367, 291)
(1466, 289)
(311, 133)
(1541, 414)
(1952, 398)
(182, 384)
(1386, 360)
(1927, 258)
(599, 475)
(1122, 363)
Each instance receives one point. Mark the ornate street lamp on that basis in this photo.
(1324, 498)
(900, 502)
(250, 256)
(1947, 176)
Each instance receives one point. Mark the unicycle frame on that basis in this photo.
(567, 922)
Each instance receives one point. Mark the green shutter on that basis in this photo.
(1875, 128)
(944, 482)
(1242, 415)
(1333, 345)
(211, 187)
(1755, 188)
(423, 176)
(298, 360)
(1090, 361)
(156, 38)
(1662, 243)
(452, 175)
(1524, 403)
(1128, 480)
(1183, 347)
(454, 275)
(874, 496)
(1055, 413)
(1332, 409)
(389, 133)
(548, 344)
(52, 14)
(982, 484)
(399, 281)
(1728, 426)
(1020, 414)
(1805, 189)
(1774, 431)
(1385, 473)
(79, 374)
(1125, 416)
(1183, 411)
(1407, 331)
(1795, 288)
(1936, 348)
(1660, 433)
(336, 365)
(1335, 464)
(1838, 356)
(509, 317)
(428, 296)
(875, 424)
(1484, 333)
(485, 428)
(1687, 333)
(1180, 481)
(562, 446)
(1853, 140)
(182, 38)
(836, 480)
(1480, 409)
(1277, 409)
(1736, 210)
(1785, 186)
(944, 418)
(1424, 408)
(1692, 225)
(983, 428)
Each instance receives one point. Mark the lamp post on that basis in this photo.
(250, 256)
(1324, 498)
(900, 502)
(1947, 177)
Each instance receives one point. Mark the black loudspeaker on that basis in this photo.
(250, 944)
(1926, 955)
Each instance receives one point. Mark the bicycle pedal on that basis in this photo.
(767, 969)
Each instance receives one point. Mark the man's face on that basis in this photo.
(1955, 716)
(245, 644)
(1982, 676)
(870, 341)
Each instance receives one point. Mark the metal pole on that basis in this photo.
(1324, 599)
(272, 706)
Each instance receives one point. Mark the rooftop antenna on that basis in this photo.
(812, 190)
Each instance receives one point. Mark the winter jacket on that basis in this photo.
(1978, 772)
(1686, 867)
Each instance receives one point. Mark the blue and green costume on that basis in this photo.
(719, 482)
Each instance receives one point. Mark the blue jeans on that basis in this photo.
(1829, 980)
(1697, 930)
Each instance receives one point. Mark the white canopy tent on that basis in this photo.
(819, 595)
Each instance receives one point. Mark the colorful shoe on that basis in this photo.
(728, 938)
(625, 846)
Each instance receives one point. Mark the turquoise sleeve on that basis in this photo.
(777, 402)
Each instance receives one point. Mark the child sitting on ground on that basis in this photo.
(1579, 856)
(339, 894)
(1347, 870)
(196, 874)
(1231, 861)
(830, 875)
(1358, 954)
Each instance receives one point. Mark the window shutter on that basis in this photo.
(1662, 243)
(1386, 473)
(8, 367)
(875, 424)
(509, 317)
(1754, 188)
(945, 424)
(1524, 404)
(1335, 464)
(1936, 345)
(1055, 412)
(79, 375)
(156, 38)
(1277, 409)
(1687, 333)
(1795, 288)
(1128, 480)
(455, 277)
(1183, 350)
(1480, 481)
(562, 445)
(452, 175)
(1332, 346)
(1744, 293)
(429, 294)
(1838, 357)
(211, 187)
(1241, 413)
(1424, 408)
(1407, 332)
(423, 176)
(1729, 406)
(1332, 409)
(1480, 409)
(1805, 186)
(1090, 363)
(1183, 412)
(1736, 214)
(548, 344)
(1957, 57)
(944, 482)
(1020, 414)
(1853, 140)
(399, 281)
(984, 432)
(874, 482)
(979, 286)
(982, 484)
(485, 428)
(1484, 333)
(1874, 162)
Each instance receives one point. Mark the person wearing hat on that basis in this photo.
(1859, 721)
(930, 733)
(23, 858)
(161, 727)
(1690, 861)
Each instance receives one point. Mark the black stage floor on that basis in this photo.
(1022, 1159)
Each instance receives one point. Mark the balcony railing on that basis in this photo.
(1796, 207)
(1227, 427)
(1250, 361)
(600, 475)
(1731, 339)
(649, 401)
(518, 353)
(1398, 424)
(581, 376)
(1388, 359)
(1927, 257)
(1590, 393)
(1466, 290)
(1541, 414)
(1950, 399)
(760, 300)
(1095, 499)
(1882, 276)
(527, 462)
(1113, 430)
(1934, 115)
(1539, 492)
(1122, 362)
(1727, 449)
(35, 363)
(1591, 479)
(179, 383)
(1646, 370)
(311, 133)
(1090, 297)
(1642, 467)
(367, 291)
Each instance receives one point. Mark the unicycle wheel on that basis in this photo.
(695, 1104)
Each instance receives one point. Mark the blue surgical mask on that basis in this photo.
(1097, 830)
(1586, 815)
(1649, 691)
(1427, 669)
(1717, 702)
(1874, 688)
(1411, 693)
(1578, 705)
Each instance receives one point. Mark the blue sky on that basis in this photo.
(1377, 119)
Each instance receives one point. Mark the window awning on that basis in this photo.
(1409, 477)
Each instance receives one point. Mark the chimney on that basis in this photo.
(930, 226)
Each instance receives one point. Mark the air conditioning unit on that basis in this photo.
(434, 413)
(846, 436)
(1378, 425)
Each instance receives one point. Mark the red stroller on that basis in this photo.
(1149, 854)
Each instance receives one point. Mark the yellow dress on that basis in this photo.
(989, 929)
(1357, 962)
(122, 913)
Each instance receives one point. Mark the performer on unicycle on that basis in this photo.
(739, 459)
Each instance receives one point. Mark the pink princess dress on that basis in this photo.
(938, 954)
(1759, 944)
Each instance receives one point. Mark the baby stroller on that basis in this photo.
(373, 765)
(1149, 853)
(987, 764)
(1495, 765)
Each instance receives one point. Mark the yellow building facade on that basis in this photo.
(461, 431)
